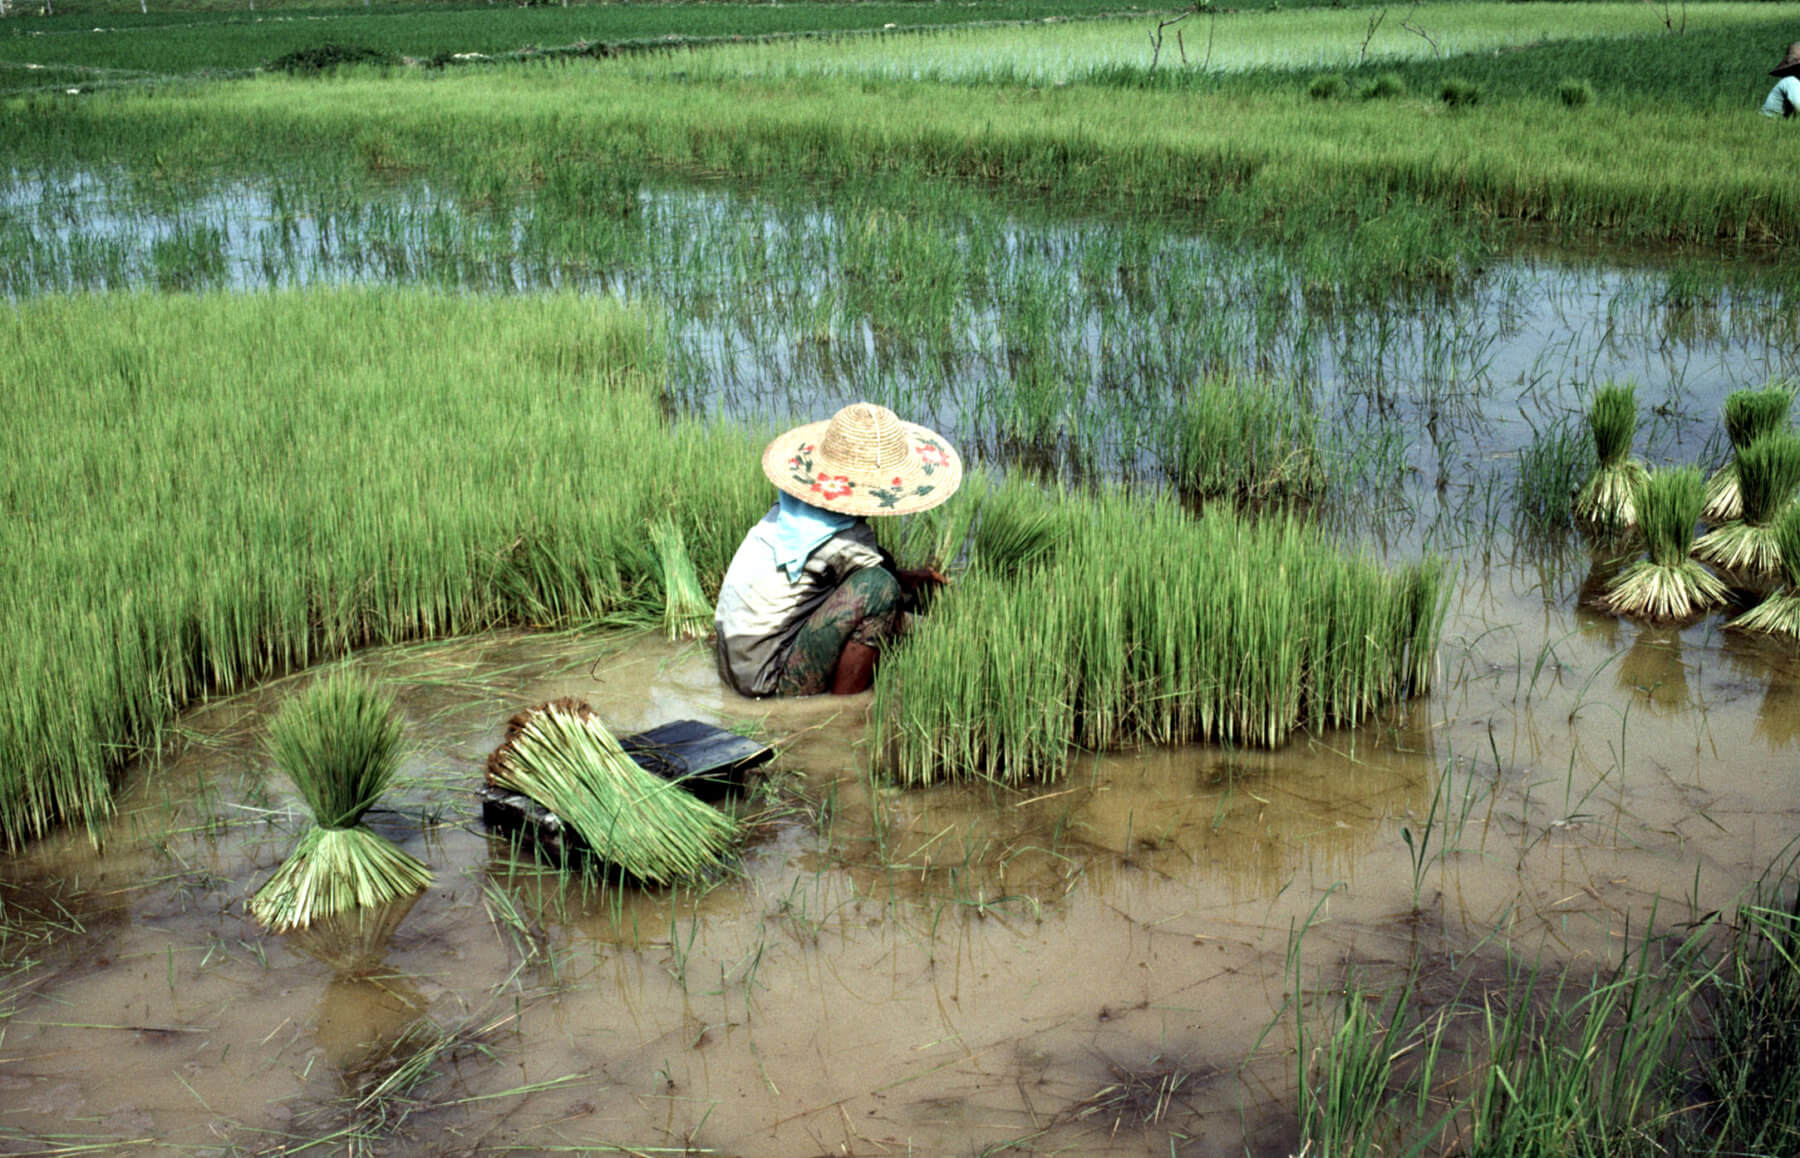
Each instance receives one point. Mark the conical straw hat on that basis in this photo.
(864, 460)
(1790, 64)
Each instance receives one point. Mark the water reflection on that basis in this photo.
(1070, 339)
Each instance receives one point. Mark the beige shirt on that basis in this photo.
(760, 610)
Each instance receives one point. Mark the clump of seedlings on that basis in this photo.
(1749, 416)
(1669, 585)
(1608, 499)
(687, 613)
(340, 744)
(1768, 471)
(1779, 612)
(562, 756)
(1150, 626)
(1253, 444)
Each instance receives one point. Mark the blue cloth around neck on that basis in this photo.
(799, 529)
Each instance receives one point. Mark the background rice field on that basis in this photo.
(288, 380)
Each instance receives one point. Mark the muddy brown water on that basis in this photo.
(1094, 966)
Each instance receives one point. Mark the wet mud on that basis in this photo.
(1104, 965)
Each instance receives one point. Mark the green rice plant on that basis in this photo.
(1149, 626)
(1768, 472)
(1748, 416)
(1608, 499)
(1250, 443)
(1346, 1081)
(1750, 1069)
(1018, 526)
(339, 742)
(1779, 611)
(1552, 468)
(1669, 585)
(562, 756)
(1575, 93)
(687, 613)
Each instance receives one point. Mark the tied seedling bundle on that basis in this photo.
(1779, 613)
(339, 743)
(1768, 471)
(1669, 584)
(687, 614)
(1608, 499)
(562, 756)
(1749, 416)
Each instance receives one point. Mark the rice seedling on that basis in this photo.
(1552, 468)
(1779, 611)
(1686, 1045)
(1018, 526)
(1608, 499)
(1768, 472)
(1181, 635)
(562, 756)
(1748, 416)
(339, 742)
(1253, 444)
(687, 613)
(1669, 585)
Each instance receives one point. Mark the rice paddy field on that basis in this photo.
(1272, 779)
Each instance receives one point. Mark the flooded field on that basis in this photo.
(1122, 962)
(1106, 965)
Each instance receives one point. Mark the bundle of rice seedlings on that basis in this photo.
(1768, 471)
(1607, 499)
(1669, 585)
(562, 756)
(687, 614)
(339, 743)
(1019, 526)
(1749, 415)
(1779, 612)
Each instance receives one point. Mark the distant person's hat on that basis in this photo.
(1790, 64)
(864, 461)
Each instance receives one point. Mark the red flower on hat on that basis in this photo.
(932, 455)
(831, 487)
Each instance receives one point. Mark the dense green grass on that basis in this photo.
(199, 491)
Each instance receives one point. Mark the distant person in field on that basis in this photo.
(810, 597)
(1784, 98)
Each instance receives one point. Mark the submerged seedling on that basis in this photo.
(1768, 472)
(1669, 584)
(340, 744)
(1608, 499)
